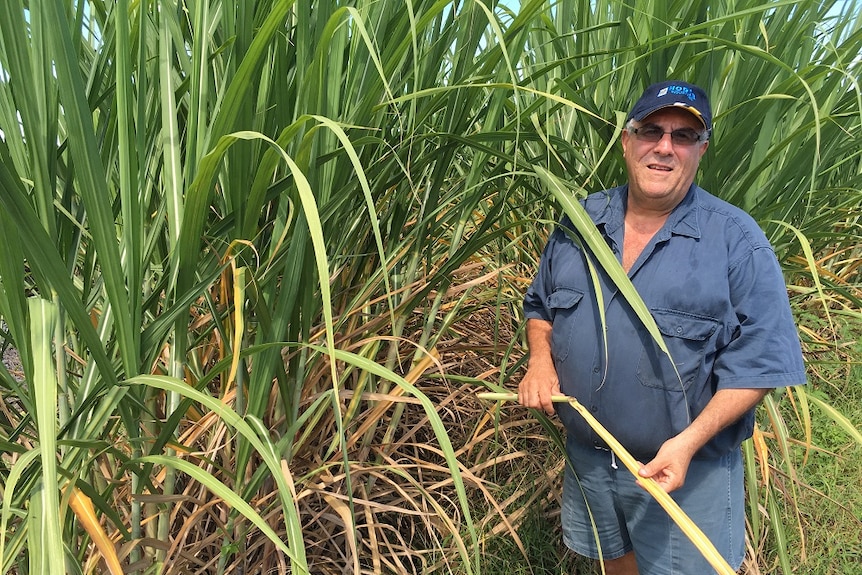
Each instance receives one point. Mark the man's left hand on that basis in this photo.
(670, 464)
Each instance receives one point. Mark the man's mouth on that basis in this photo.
(659, 167)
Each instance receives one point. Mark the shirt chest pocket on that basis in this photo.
(687, 337)
(564, 304)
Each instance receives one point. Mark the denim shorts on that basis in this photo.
(601, 499)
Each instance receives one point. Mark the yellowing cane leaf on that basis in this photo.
(83, 508)
(762, 455)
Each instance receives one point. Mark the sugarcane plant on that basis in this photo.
(249, 250)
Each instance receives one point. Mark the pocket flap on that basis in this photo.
(685, 325)
(564, 298)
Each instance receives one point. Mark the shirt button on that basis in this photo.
(679, 329)
(595, 370)
(594, 408)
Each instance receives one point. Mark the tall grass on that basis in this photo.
(248, 249)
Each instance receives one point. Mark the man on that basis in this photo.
(715, 289)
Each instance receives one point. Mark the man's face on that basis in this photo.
(660, 173)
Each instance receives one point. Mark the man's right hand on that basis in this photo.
(541, 381)
(537, 387)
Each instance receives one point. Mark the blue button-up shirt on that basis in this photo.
(715, 289)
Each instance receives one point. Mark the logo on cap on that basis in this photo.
(679, 91)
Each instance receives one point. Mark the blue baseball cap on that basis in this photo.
(673, 93)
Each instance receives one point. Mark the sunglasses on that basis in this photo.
(681, 137)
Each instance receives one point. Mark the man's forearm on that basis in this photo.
(539, 340)
(725, 407)
(670, 465)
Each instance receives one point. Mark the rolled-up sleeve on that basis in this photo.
(536, 297)
(764, 351)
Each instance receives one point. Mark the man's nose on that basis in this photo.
(665, 144)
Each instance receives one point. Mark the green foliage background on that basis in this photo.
(256, 257)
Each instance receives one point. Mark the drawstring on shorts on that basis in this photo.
(613, 456)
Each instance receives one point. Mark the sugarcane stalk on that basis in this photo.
(691, 530)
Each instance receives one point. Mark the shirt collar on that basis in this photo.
(609, 211)
(683, 218)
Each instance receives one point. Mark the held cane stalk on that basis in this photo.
(692, 531)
